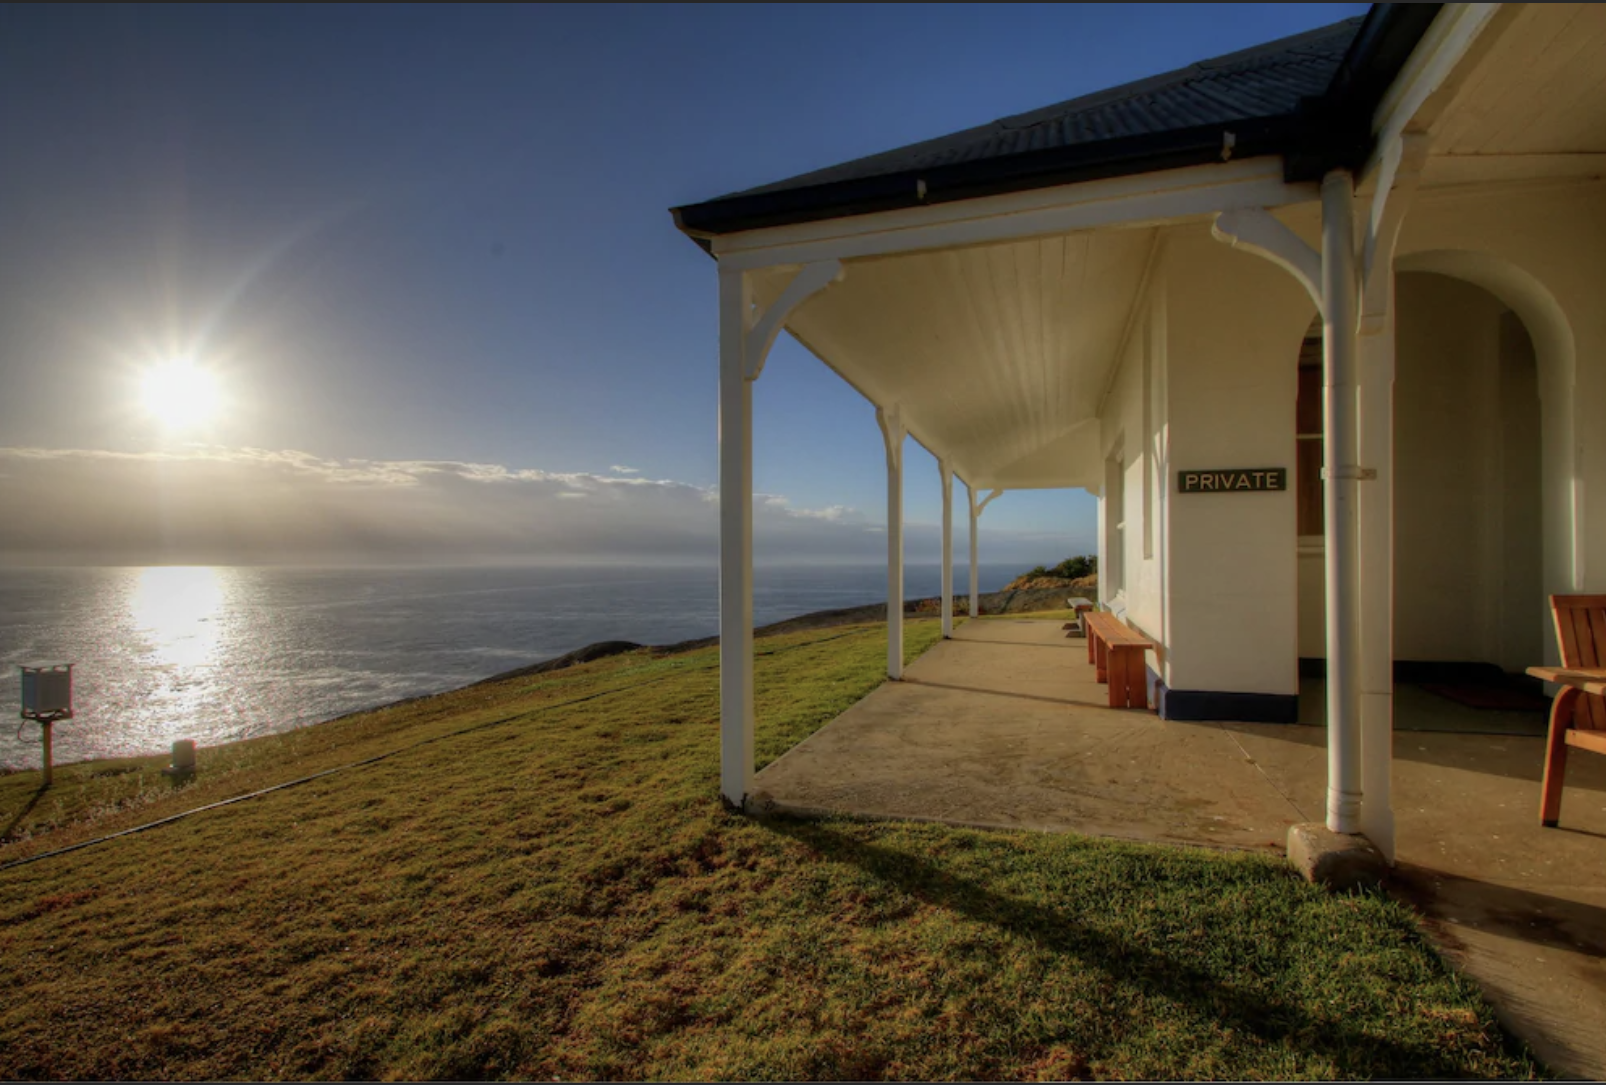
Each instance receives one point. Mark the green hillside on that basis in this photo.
(539, 881)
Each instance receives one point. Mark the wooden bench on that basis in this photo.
(1117, 654)
(1578, 715)
(1081, 607)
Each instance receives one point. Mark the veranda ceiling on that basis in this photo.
(997, 356)
(1539, 89)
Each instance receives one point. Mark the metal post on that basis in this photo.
(735, 543)
(46, 727)
(1342, 472)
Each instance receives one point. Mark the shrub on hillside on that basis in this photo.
(1069, 569)
(1077, 567)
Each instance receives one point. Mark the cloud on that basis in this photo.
(833, 513)
(255, 506)
(618, 470)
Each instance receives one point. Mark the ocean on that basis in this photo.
(218, 653)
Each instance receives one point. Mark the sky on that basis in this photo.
(427, 254)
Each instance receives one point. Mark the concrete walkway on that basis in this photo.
(1004, 727)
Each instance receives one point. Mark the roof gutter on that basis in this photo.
(989, 177)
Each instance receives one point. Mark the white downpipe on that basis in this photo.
(947, 475)
(893, 433)
(735, 543)
(975, 610)
(1342, 472)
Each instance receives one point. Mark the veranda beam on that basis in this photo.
(1140, 200)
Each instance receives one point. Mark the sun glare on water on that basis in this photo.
(178, 610)
(181, 394)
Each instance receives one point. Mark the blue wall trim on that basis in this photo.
(1201, 705)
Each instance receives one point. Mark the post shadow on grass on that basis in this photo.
(1123, 960)
(27, 809)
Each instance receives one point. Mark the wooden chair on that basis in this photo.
(1578, 715)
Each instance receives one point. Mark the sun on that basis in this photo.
(180, 394)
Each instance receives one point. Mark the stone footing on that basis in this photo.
(1337, 860)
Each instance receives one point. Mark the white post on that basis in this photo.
(1377, 580)
(1399, 175)
(947, 474)
(892, 433)
(745, 338)
(735, 542)
(1340, 386)
(976, 509)
(974, 513)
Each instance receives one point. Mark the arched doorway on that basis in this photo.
(1468, 523)
(1468, 482)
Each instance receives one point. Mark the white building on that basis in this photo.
(1139, 290)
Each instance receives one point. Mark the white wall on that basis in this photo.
(1538, 249)
(1312, 603)
(1519, 641)
(1534, 248)
(1447, 438)
(1222, 582)
(1233, 328)
(1467, 533)
(1133, 424)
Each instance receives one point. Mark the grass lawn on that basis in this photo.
(541, 882)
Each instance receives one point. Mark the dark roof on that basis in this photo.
(1265, 81)
(1289, 96)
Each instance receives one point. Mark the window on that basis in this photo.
(1308, 439)
(1114, 571)
(1149, 442)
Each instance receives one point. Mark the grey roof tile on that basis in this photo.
(1265, 81)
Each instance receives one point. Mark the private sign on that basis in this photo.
(1233, 480)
